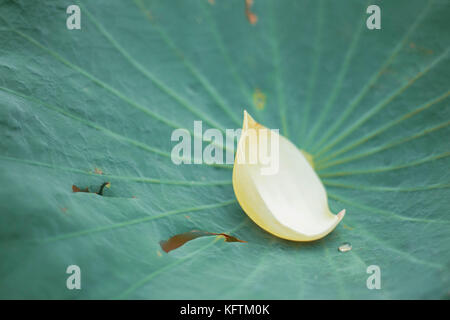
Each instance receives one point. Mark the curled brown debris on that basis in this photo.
(180, 239)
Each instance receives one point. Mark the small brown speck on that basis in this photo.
(251, 17)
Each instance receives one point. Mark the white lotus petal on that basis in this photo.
(290, 203)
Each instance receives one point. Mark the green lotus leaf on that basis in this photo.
(99, 104)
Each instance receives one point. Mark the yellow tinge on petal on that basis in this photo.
(284, 196)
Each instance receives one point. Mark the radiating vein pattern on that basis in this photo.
(370, 106)
(377, 108)
(366, 89)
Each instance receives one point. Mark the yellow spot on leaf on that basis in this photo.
(308, 157)
(259, 99)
